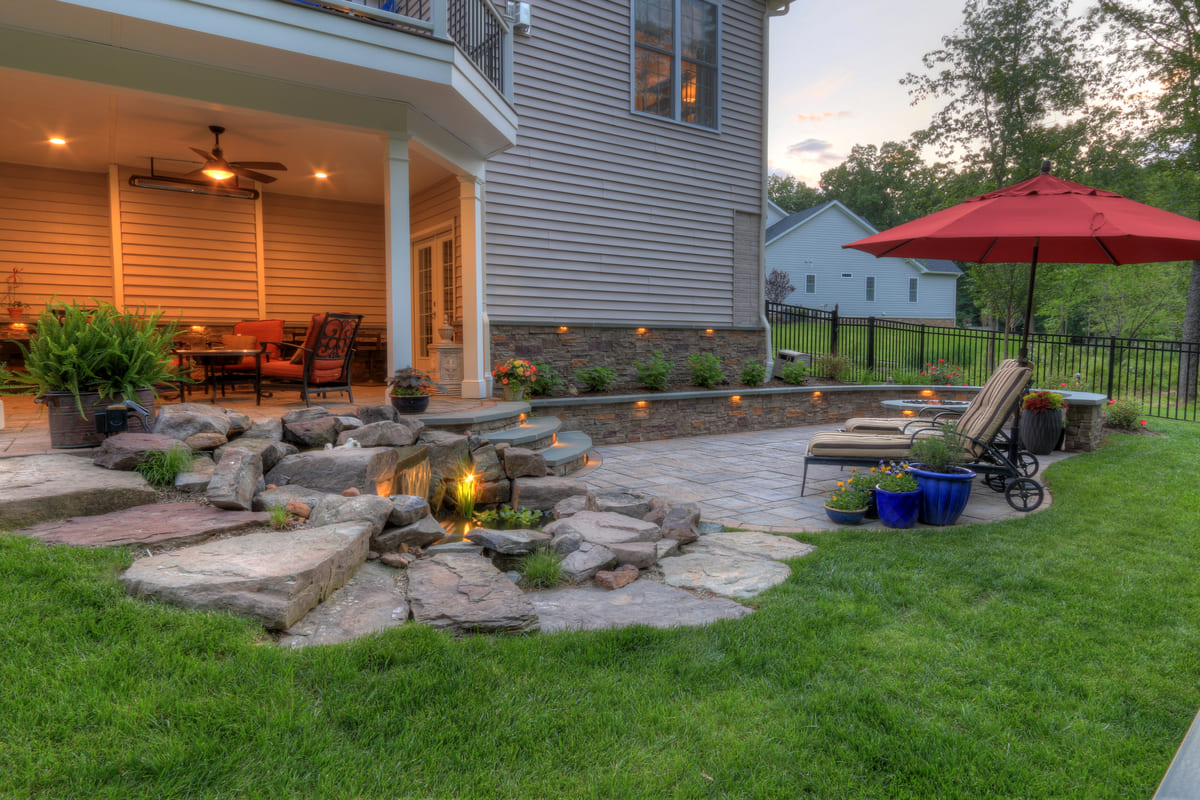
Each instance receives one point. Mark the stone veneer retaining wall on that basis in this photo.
(649, 417)
(585, 346)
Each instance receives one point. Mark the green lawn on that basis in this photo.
(1053, 656)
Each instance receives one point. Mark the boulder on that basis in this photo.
(467, 594)
(275, 578)
(312, 433)
(269, 450)
(407, 509)
(681, 523)
(615, 579)
(522, 463)
(205, 441)
(641, 555)
(370, 469)
(304, 415)
(583, 564)
(379, 434)
(124, 450)
(369, 414)
(446, 451)
(566, 542)
(368, 508)
(487, 464)
(421, 533)
(198, 477)
(738, 576)
(235, 480)
(600, 527)
(509, 542)
(573, 505)
(270, 428)
(494, 494)
(542, 494)
(631, 504)
(181, 420)
(282, 495)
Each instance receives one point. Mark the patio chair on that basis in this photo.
(322, 364)
(976, 430)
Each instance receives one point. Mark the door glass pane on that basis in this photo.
(446, 312)
(424, 299)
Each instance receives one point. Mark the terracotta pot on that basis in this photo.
(16, 312)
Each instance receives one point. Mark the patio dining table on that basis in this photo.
(215, 360)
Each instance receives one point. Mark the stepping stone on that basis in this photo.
(35, 489)
(163, 523)
(755, 543)
(643, 602)
(275, 577)
(370, 602)
(605, 528)
(465, 593)
(739, 576)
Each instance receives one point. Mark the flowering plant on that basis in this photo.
(942, 371)
(411, 382)
(1043, 400)
(515, 372)
(847, 498)
(1123, 414)
(895, 477)
(865, 480)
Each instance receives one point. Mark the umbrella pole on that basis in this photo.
(1014, 447)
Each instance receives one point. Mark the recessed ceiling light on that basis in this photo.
(57, 140)
(321, 175)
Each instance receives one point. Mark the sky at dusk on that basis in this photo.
(835, 69)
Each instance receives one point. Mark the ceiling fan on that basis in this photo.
(217, 168)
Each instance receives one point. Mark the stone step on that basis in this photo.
(569, 453)
(535, 433)
(480, 421)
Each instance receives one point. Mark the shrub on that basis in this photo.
(653, 374)
(832, 367)
(161, 467)
(1123, 414)
(942, 371)
(794, 373)
(778, 287)
(706, 370)
(547, 382)
(542, 568)
(753, 373)
(597, 379)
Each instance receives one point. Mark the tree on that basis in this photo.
(1161, 40)
(1010, 70)
(779, 286)
(887, 185)
(790, 193)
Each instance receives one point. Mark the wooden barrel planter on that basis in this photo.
(69, 430)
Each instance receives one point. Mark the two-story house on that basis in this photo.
(558, 179)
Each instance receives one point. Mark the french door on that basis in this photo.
(433, 294)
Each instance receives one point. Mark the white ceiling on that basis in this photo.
(106, 125)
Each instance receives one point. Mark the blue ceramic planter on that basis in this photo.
(944, 495)
(845, 517)
(898, 509)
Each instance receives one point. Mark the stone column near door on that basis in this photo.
(398, 252)
(476, 374)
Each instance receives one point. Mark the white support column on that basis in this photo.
(398, 247)
(477, 345)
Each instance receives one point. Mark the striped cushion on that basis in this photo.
(984, 417)
(835, 444)
(885, 425)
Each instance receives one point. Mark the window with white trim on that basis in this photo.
(912, 290)
(871, 290)
(810, 284)
(676, 59)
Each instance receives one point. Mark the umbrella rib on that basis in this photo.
(987, 252)
(1107, 252)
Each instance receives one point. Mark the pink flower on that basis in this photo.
(1110, 402)
(1062, 384)
(1143, 422)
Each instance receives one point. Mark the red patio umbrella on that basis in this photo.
(1044, 218)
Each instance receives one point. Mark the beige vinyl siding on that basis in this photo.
(54, 227)
(323, 255)
(193, 255)
(600, 214)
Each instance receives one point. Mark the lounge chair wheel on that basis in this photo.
(1024, 494)
(995, 482)
(1027, 463)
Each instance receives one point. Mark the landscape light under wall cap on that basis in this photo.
(562, 328)
(737, 398)
(57, 140)
(321, 175)
(641, 330)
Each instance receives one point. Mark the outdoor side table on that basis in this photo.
(215, 360)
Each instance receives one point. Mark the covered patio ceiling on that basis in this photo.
(111, 125)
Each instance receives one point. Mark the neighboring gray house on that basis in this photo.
(579, 180)
(807, 246)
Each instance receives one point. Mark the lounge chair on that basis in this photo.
(977, 431)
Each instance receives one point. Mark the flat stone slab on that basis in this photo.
(643, 602)
(163, 523)
(39, 488)
(739, 576)
(755, 543)
(465, 593)
(370, 602)
(605, 528)
(275, 577)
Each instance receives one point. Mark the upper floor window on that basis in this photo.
(675, 59)
(870, 290)
(810, 284)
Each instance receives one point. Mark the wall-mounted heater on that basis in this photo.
(175, 183)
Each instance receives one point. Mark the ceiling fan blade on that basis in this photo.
(251, 174)
(207, 156)
(258, 165)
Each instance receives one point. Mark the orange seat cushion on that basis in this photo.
(290, 371)
(263, 330)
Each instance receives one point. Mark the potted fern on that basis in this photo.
(82, 359)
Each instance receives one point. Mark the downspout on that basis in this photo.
(770, 10)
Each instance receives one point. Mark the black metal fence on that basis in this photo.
(875, 349)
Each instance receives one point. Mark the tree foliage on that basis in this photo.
(790, 193)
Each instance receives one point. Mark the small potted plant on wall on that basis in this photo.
(410, 389)
(11, 301)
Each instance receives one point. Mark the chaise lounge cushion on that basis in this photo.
(835, 444)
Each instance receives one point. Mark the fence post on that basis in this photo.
(833, 332)
(1112, 364)
(921, 348)
(871, 343)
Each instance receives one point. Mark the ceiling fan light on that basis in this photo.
(218, 173)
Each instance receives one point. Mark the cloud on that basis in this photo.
(818, 147)
(821, 116)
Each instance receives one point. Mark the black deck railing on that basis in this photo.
(873, 348)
